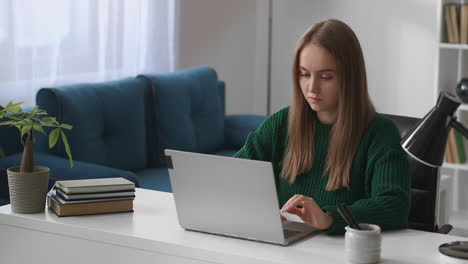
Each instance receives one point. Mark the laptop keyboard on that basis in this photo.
(289, 233)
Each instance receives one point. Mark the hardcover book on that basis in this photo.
(89, 208)
(95, 185)
(94, 195)
(62, 200)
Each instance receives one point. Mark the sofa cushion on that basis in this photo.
(154, 179)
(190, 113)
(238, 127)
(108, 121)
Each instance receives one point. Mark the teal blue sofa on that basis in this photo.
(121, 128)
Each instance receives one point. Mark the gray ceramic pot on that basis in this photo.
(28, 190)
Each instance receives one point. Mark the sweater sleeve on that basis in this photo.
(260, 144)
(387, 183)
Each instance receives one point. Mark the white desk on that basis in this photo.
(152, 234)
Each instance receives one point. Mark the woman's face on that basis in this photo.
(319, 81)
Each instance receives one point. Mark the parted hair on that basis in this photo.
(354, 113)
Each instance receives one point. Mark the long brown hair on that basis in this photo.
(355, 110)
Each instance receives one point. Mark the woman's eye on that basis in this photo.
(326, 77)
(304, 74)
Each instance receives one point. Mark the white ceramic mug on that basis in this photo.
(363, 246)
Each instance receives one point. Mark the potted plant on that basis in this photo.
(28, 184)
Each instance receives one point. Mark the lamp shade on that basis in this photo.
(426, 142)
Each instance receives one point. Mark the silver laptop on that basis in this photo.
(230, 197)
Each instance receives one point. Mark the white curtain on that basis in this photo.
(54, 42)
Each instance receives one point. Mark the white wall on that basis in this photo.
(223, 34)
(399, 41)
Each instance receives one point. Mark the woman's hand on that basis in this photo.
(308, 210)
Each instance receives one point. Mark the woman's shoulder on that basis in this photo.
(283, 113)
(383, 129)
(279, 117)
(276, 121)
(383, 138)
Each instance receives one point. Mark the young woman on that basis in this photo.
(330, 146)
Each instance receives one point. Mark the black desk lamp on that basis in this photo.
(426, 143)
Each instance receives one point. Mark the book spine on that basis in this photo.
(446, 158)
(448, 23)
(448, 152)
(455, 23)
(464, 24)
(460, 147)
(453, 146)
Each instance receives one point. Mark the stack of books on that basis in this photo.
(456, 22)
(91, 196)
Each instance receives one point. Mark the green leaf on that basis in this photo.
(26, 130)
(49, 125)
(67, 148)
(12, 117)
(15, 110)
(6, 123)
(41, 112)
(33, 112)
(66, 126)
(49, 120)
(39, 129)
(1, 108)
(53, 137)
(20, 123)
(10, 104)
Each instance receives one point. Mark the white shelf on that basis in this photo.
(458, 166)
(463, 107)
(453, 46)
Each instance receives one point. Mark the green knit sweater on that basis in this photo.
(379, 187)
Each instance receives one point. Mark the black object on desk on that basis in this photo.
(347, 216)
(457, 249)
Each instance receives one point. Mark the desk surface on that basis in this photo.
(153, 226)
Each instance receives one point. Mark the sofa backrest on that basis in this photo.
(109, 121)
(189, 110)
(128, 123)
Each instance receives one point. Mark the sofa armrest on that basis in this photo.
(238, 127)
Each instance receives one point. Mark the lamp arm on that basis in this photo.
(459, 127)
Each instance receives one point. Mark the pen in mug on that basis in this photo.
(344, 212)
